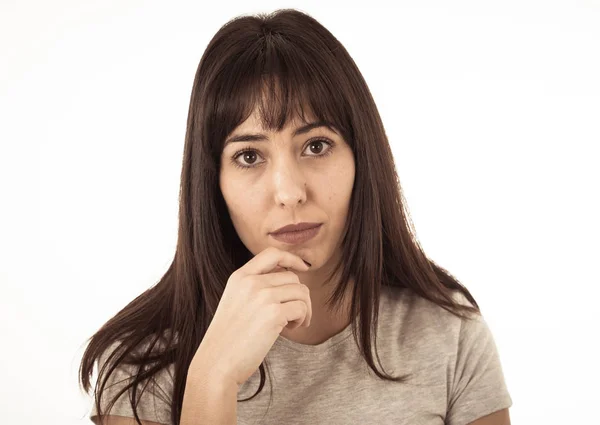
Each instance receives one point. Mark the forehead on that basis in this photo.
(248, 132)
(254, 123)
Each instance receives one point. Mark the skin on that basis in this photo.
(293, 180)
(287, 188)
(501, 417)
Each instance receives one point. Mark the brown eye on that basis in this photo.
(316, 143)
(248, 154)
(249, 157)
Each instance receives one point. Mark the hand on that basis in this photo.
(257, 304)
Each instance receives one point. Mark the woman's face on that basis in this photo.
(307, 177)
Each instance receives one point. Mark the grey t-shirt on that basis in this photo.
(456, 373)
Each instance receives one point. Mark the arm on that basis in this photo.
(478, 390)
(121, 420)
(208, 400)
(501, 417)
(214, 404)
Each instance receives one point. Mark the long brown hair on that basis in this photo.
(281, 63)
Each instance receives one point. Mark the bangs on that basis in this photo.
(283, 82)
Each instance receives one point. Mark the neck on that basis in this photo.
(324, 323)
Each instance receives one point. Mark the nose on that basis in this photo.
(289, 184)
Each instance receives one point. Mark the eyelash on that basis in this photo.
(248, 149)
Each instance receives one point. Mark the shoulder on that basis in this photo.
(403, 306)
(426, 330)
(118, 374)
(445, 349)
(125, 368)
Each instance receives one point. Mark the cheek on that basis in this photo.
(340, 193)
(337, 199)
(243, 204)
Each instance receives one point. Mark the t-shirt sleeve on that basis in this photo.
(154, 402)
(478, 387)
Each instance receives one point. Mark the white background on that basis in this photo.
(492, 110)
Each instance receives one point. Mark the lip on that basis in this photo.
(296, 227)
(297, 236)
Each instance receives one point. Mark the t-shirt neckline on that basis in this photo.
(319, 348)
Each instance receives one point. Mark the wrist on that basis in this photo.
(212, 374)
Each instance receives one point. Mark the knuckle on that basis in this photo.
(248, 285)
(304, 307)
(251, 281)
(234, 276)
(273, 311)
(264, 296)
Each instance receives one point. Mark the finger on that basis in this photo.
(270, 258)
(281, 278)
(294, 291)
(296, 312)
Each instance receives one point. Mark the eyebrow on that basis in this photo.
(300, 130)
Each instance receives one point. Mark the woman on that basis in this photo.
(243, 301)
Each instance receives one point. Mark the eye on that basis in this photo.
(249, 153)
